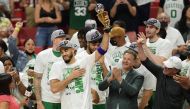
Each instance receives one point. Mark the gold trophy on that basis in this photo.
(103, 16)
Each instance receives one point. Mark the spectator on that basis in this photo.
(169, 94)
(44, 61)
(7, 101)
(157, 49)
(89, 24)
(17, 87)
(124, 84)
(173, 35)
(3, 48)
(126, 11)
(173, 8)
(47, 15)
(19, 57)
(183, 25)
(120, 23)
(119, 43)
(79, 11)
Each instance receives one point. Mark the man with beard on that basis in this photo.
(44, 61)
(173, 35)
(156, 49)
(72, 76)
(98, 71)
(119, 43)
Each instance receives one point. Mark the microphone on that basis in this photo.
(28, 92)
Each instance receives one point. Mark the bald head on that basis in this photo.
(164, 19)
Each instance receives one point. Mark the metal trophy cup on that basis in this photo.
(103, 16)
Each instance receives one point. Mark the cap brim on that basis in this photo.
(130, 48)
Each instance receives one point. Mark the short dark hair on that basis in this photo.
(132, 52)
(5, 81)
(121, 23)
(3, 45)
(5, 58)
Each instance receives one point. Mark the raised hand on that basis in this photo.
(117, 74)
(19, 24)
(141, 38)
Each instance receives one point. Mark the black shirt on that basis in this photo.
(169, 94)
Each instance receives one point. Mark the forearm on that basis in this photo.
(155, 59)
(37, 85)
(105, 70)
(132, 9)
(65, 4)
(145, 99)
(21, 87)
(104, 84)
(58, 86)
(113, 10)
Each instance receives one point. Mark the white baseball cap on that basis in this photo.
(91, 23)
(173, 62)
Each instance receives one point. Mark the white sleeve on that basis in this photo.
(165, 49)
(39, 64)
(55, 72)
(180, 40)
(149, 80)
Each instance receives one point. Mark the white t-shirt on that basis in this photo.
(174, 9)
(185, 67)
(44, 62)
(162, 47)
(115, 53)
(149, 81)
(77, 95)
(174, 36)
(96, 77)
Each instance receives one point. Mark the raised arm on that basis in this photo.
(12, 41)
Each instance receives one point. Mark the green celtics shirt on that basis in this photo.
(78, 13)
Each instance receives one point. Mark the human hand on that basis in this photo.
(95, 96)
(49, 20)
(19, 24)
(117, 74)
(184, 81)
(141, 38)
(77, 73)
(31, 72)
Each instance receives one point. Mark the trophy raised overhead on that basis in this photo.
(103, 16)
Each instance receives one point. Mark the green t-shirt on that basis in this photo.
(79, 13)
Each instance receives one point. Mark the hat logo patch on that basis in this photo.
(96, 35)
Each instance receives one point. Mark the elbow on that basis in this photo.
(102, 87)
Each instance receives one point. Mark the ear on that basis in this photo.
(157, 31)
(75, 52)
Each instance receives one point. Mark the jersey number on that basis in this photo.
(80, 11)
(173, 13)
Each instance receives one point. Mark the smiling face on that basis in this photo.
(128, 61)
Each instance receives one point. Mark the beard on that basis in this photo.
(68, 59)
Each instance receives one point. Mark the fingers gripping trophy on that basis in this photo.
(103, 17)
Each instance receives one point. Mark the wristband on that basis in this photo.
(17, 29)
(101, 51)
